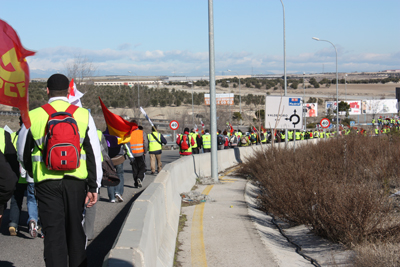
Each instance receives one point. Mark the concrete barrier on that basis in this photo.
(148, 235)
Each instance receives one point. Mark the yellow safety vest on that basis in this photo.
(206, 141)
(100, 135)
(153, 144)
(39, 118)
(2, 140)
(194, 136)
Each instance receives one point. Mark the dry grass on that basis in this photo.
(382, 254)
(340, 188)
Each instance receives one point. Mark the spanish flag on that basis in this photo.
(14, 72)
(117, 126)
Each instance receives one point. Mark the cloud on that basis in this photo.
(125, 46)
(159, 62)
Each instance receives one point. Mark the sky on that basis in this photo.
(171, 37)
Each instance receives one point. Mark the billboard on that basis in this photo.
(283, 112)
(310, 110)
(379, 106)
(355, 107)
(222, 99)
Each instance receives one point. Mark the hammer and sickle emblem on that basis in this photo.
(12, 78)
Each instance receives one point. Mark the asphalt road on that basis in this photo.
(22, 250)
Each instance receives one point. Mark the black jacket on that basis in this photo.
(9, 167)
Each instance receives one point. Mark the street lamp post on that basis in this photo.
(284, 68)
(304, 101)
(284, 48)
(138, 96)
(192, 104)
(337, 84)
(345, 88)
(240, 94)
(230, 110)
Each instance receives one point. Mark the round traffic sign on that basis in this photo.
(325, 123)
(174, 125)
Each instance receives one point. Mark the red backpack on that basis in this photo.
(62, 150)
(184, 144)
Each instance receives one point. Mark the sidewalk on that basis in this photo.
(230, 231)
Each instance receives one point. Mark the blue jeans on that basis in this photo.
(16, 204)
(119, 189)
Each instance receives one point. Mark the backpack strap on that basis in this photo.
(49, 109)
(71, 109)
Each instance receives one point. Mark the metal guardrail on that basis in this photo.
(11, 113)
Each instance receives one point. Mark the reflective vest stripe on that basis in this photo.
(40, 158)
(137, 137)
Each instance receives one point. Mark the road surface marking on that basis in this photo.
(198, 250)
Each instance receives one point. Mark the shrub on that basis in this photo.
(340, 187)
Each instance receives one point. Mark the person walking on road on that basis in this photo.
(117, 153)
(139, 144)
(25, 184)
(9, 169)
(156, 141)
(197, 141)
(206, 138)
(62, 194)
(185, 142)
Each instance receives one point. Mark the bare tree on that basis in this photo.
(79, 69)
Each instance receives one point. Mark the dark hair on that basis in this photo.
(224, 133)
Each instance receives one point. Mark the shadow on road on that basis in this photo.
(103, 243)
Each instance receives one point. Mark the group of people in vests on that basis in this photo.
(192, 142)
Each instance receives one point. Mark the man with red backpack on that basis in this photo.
(66, 175)
(185, 142)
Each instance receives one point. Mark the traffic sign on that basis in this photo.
(283, 112)
(174, 125)
(325, 123)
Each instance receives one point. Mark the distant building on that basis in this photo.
(394, 71)
(150, 81)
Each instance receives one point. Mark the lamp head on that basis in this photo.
(315, 38)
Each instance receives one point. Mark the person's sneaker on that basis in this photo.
(33, 231)
(119, 197)
(153, 173)
(112, 200)
(139, 183)
(13, 230)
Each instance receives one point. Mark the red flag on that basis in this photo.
(14, 72)
(72, 88)
(254, 129)
(230, 125)
(117, 126)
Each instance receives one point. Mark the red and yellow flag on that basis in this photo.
(117, 126)
(14, 72)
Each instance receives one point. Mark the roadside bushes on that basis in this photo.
(339, 187)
